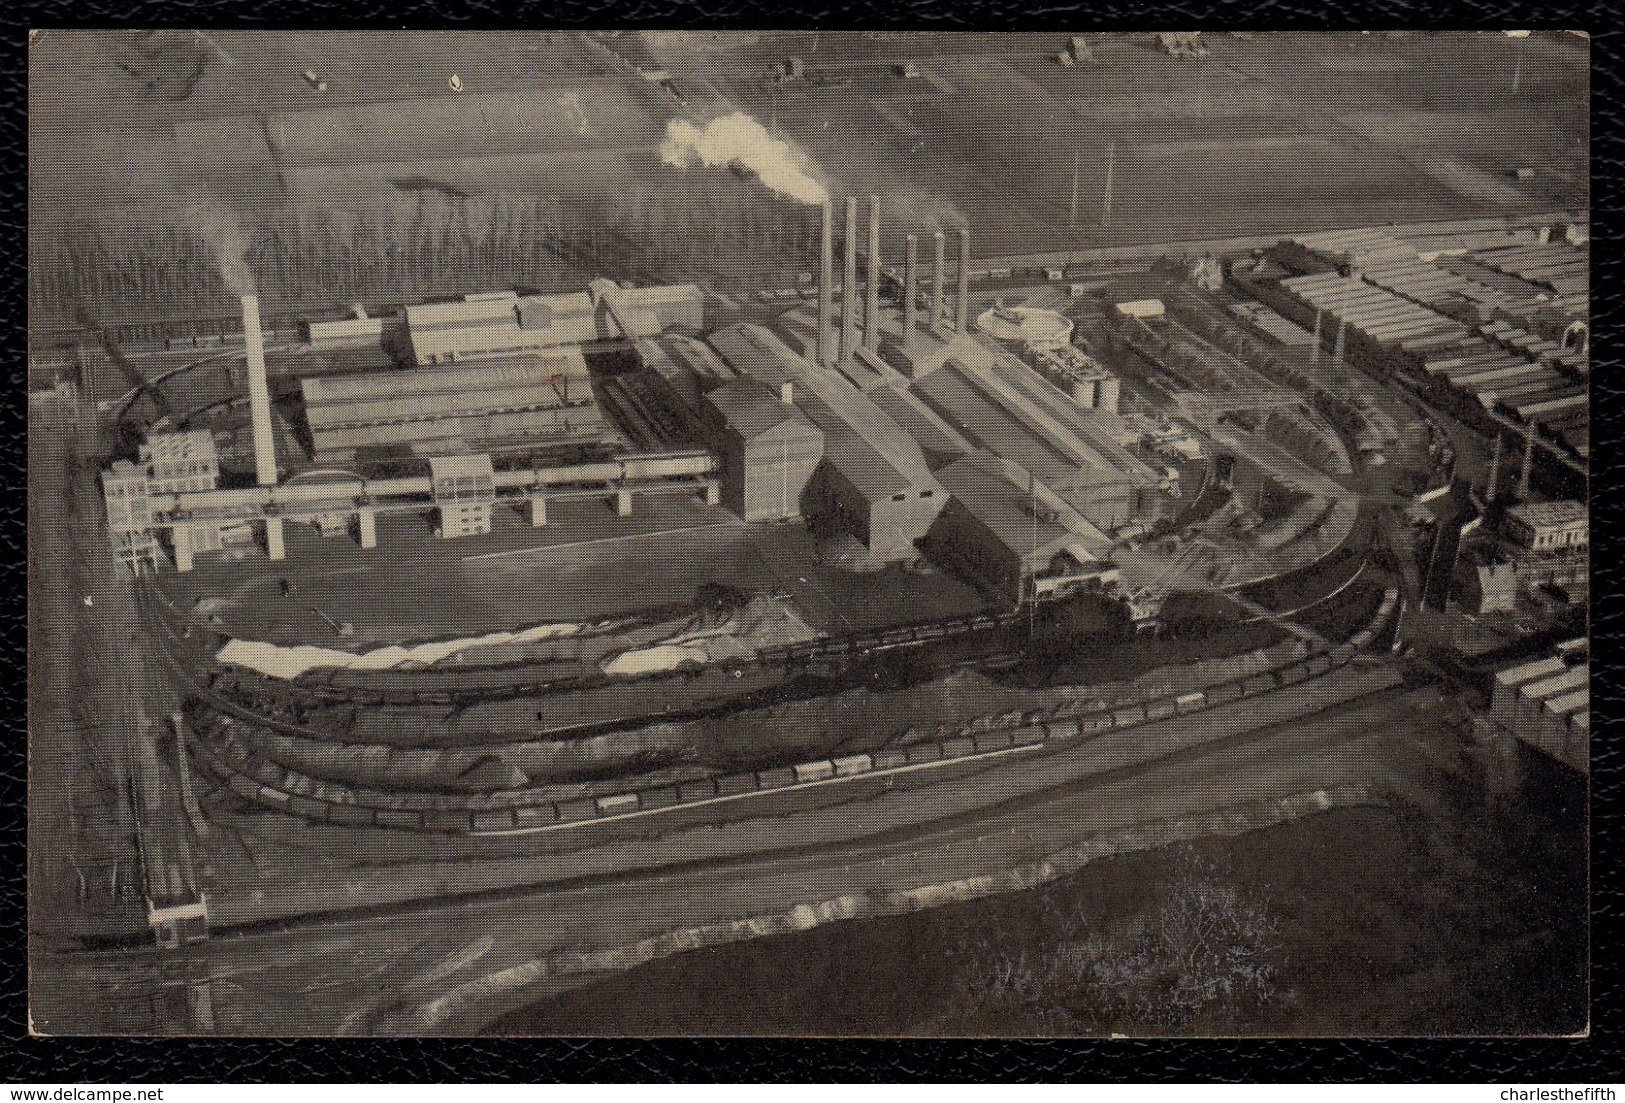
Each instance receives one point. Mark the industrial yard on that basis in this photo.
(929, 511)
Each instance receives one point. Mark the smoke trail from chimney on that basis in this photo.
(222, 233)
(738, 140)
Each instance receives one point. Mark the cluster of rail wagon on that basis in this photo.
(266, 783)
(453, 685)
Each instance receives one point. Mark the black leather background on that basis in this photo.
(1597, 1060)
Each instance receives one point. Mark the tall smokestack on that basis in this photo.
(911, 288)
(259, 393)
(962, 316)
(871, 305)
(826, 286)
(939, 276)
(849, 288)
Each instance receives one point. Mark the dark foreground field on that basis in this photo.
(1443, 913)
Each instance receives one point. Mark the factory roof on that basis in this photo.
(1021, 513)
(1361, 247)
(1562, 267)
(673, 356)
(1284, 331)
(752, 408)
(1006, 506)
(1568, 703)
(504, 321)
(921, 422)
(1013, 411)
(1529, 672)
(663, 295)
(1565, 682)
(189, 445)
(469, 310)
(486, 375)
(869, 449)
(1542, 514)
(1437, 242)
(507, 400)
(1381, 315)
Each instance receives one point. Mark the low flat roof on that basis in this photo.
(1529, 671)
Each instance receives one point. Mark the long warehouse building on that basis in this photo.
(522, 402)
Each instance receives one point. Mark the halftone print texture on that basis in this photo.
(808, 534)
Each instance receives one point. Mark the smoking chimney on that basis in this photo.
(911, 287)
(962, 316)
(259, 393)
(826, 287)
(871, 305)
(849, 284)
(939, 278)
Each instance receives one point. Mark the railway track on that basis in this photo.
(464, 686)
(262, 781)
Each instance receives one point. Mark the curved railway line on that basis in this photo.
(259, 779)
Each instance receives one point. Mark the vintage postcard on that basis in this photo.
(847, 534)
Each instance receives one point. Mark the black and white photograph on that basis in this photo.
(795, 534)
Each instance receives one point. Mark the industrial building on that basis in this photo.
(1001, 405)
(183, 461)
(768, 448)
(1013, 537)
(464, 489)
(1546, 704)
(874, 477)
(447, 421)
(1496, 323)
(534, 401)
(1486, 585)
(127, 495)
(504, 323)
(1548, 528)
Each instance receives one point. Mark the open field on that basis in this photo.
(1279, 132)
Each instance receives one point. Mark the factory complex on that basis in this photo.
(876, 412)
(862, 423)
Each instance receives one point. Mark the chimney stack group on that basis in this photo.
(833, 349)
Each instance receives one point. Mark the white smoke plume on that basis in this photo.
(222, 232)
(738, 139)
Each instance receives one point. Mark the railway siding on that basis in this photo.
(269, 786)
